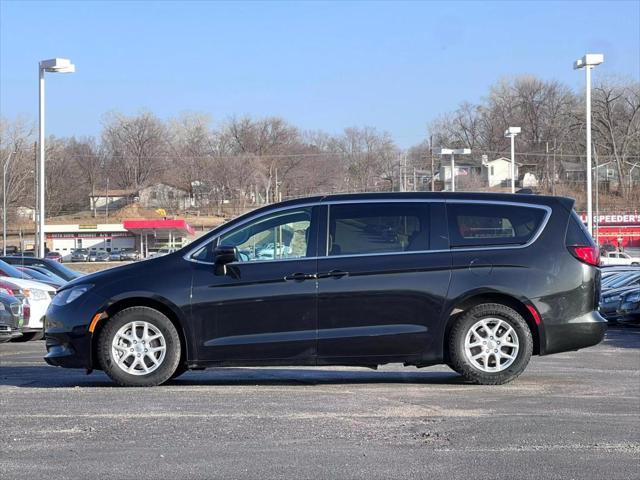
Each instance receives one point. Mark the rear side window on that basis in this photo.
(577, 233)
(368, 228)
(473, 225)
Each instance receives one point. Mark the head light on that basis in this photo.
(70, 294)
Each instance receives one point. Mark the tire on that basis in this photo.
(507, 347)
(29, 336)
(121, 351)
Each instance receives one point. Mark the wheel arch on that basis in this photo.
(464, 303)
(171, 311)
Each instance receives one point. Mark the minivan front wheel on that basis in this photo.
(491, 344)
(139, 347)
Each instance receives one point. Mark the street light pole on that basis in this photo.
(587, 62)
(4, 203)
(40, 171)
(511, 132)
(55, 65)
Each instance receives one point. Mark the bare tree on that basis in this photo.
(616, 114)
(136, 148)
(16, 148)
(87, 158)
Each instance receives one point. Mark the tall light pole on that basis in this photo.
(587, 62)
(453, 152)
(4, 203)
(511, 132)
(54, 65)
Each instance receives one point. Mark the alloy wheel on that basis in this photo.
(138, 348)
(491, 345)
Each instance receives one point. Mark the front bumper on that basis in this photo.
(579, 332)
(8, 333)
(68, 340)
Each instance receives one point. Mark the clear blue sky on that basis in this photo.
(328, 66)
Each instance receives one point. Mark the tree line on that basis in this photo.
(247, 161)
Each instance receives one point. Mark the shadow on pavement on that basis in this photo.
(51, 377)
(623, 336)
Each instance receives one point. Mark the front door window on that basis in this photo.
(283, 235)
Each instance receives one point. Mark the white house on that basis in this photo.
(500, 171)
(158, 195)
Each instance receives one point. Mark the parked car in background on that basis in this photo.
(161, 252)
(368, 279)
(629, 309)
(39, 295)
(114, 256)
(41, 277)
(49, 274)
(621, 279)
(26, 253)
(99, 256)
(618, 258)
(19, 293)
(10, 317)
(57, 268)
(80, 255)
(614, 286)
(129, 254)
(55, 256)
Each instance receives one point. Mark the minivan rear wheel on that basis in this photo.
(139, 347)
(490, 344)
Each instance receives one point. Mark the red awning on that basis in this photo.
(175, 226)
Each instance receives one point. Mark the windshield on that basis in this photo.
(36, 275)
(47, 273)
(68, 272)
(7, 270)
(623, 280)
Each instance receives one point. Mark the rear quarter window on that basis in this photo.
(478, 225)
(577, 233)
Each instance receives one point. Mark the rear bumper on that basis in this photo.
(579, 332)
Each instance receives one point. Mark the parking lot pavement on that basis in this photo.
(573, 415)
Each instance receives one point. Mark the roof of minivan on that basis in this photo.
(505, 197)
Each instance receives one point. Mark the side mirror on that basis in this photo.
(224, 254)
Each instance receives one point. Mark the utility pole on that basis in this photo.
(553, 177)
(5, 166)
(433, 175)
(106, 198)
(547, 173)
(36, 212)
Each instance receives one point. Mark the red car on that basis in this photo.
(54, 256)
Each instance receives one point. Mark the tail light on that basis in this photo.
(589, 254)
(26, 311)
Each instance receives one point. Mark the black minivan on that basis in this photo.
(477, 281)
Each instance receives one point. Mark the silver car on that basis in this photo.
(80, 255)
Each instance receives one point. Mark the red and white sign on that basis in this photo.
(619, 229)
(614, 219)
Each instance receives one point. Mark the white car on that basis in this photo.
(162, 252)
(39, 296)
(618, 258)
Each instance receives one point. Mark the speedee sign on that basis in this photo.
(615, 219)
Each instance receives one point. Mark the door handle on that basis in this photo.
(333, 274)
(299, 277)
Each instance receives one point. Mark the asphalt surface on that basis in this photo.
(573, 415)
